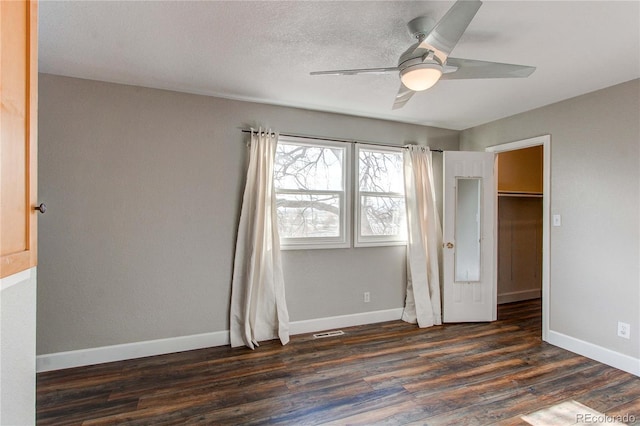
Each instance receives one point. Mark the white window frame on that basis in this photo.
(344, 239)
(367, 240)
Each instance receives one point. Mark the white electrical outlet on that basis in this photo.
(367, 297)
(624, 330)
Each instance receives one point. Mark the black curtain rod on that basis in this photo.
(334, 140)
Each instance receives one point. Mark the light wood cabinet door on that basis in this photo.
(18, 135)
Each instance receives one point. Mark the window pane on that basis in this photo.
(382, 216)
(380, 171)
(308, 167)
(305, 215)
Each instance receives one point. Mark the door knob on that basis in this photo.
(41, 208)
(449, 245)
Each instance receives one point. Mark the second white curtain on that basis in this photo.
(422, 304)
(258, 306)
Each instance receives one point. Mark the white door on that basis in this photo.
(469, 260)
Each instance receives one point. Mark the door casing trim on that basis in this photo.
(545, 141)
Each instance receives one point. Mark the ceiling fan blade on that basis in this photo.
(469, 68)
(447, 32)
(403, 96)
(357, 71)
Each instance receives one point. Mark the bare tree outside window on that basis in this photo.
(382, 214)
(309, 182)
(312, 194)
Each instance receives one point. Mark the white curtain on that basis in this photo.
(422, 304)
(258, 306)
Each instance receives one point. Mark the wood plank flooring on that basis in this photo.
(388, 373)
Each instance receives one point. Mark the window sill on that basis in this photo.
(359, 244)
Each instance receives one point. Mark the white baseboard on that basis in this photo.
(517, 296)
(329, 323)
(595, 352)
(82, 357)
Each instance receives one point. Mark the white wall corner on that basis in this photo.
(17, 278)
(18, 347)
(0, 353)
(606, 356)
(83, 357)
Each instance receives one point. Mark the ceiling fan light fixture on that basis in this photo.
(421, 76)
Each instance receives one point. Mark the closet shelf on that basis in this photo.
(519, 194)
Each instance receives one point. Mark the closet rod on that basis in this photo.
(333, 139)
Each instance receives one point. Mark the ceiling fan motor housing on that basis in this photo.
(421, 26)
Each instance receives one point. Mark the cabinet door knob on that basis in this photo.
(41, 208)
(449, 245)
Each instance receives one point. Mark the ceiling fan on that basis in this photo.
(428, 61)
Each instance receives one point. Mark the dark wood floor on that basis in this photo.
(389, 373)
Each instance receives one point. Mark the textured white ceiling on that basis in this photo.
(263, 51)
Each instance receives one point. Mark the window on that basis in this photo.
(311, 184)
(380, 208)
(313, 204)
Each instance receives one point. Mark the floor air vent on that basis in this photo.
(328, 334)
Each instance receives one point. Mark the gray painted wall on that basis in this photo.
(143, 189)
(595, 186)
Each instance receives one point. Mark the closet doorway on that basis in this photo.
(522, 221)
(520, 192)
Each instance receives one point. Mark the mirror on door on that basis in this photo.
(467, 229)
